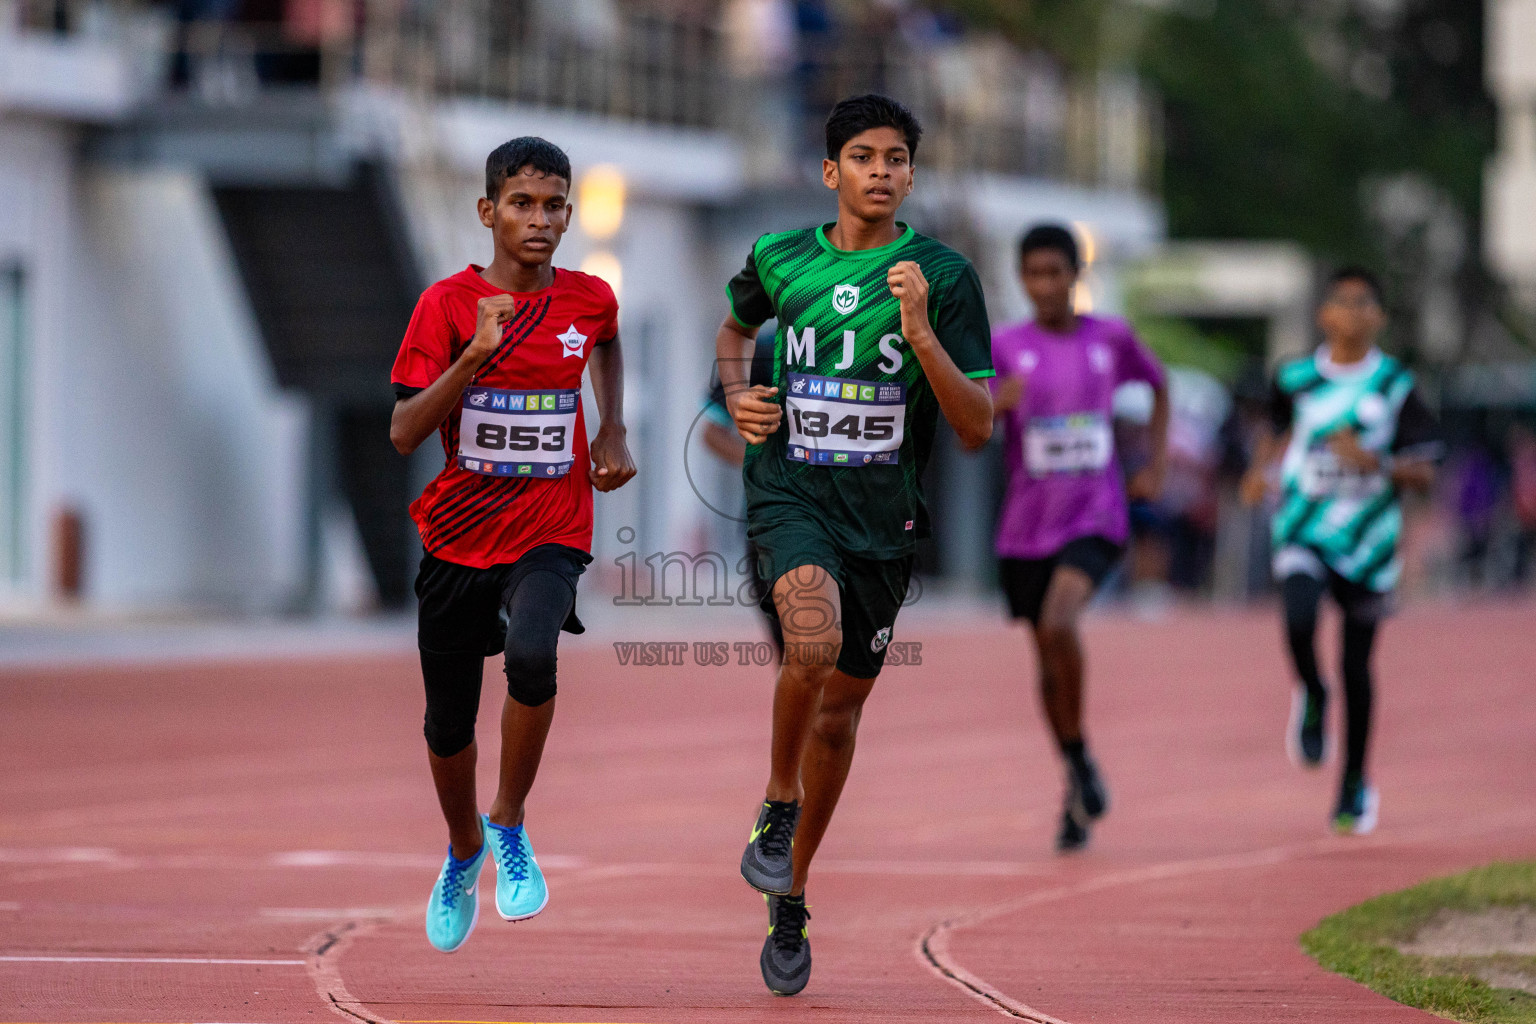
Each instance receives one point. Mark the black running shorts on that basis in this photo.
(871, 590)
(1025, 580)
(464, 609)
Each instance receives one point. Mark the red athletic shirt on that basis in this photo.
(478, 520)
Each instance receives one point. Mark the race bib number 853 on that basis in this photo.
(518, 433)
(837, 422)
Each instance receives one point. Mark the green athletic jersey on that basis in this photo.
(1351, 521)
(849, 381)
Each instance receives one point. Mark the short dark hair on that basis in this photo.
(509, 158)
(859, 114)
(1049, 236)
(1363, 275)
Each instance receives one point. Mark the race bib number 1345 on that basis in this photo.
(518, 433)
(837, 422)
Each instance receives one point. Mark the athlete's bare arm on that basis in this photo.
(1147, 484)
(966, 403)
(612, 465)
(750, 406)
(1009, 393)
(416, 418)
(727, 446)
(1408, 472)
(1255, 484)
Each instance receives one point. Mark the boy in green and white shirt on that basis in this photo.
(1351, 434)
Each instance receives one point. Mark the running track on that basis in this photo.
(253, 842)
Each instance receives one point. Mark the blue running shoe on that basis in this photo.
(520, 889)
(455, 904)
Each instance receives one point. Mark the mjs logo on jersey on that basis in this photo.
(845, 298)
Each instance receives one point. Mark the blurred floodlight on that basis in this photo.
(1087, 243)
(605, 265)
(1082, 297)
(600, 203)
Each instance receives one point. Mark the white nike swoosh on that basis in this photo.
(469, 890)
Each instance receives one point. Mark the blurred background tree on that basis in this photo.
(1358, 128)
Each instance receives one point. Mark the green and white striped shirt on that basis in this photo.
(1351, 521)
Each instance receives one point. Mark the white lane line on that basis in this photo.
(146, 960)
(282, 859)
(943, 868)
(409, 861)
(932, 947)
(325, 949)
(388, 861)
(60, 855)
(9, 905)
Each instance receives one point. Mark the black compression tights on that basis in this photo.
(1302, 594)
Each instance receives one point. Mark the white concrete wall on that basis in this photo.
(36, 162)
(1124, 226)
(162, 420)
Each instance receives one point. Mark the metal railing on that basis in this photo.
(644, 65)
(987, 105)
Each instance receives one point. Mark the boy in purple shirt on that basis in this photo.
(1064, 521)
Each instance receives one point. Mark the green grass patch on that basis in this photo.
(1360, 943)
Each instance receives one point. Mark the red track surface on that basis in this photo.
(282, 813)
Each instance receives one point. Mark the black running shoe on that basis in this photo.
(1073, 835)
(768, 863)
(1355, 813)
(1304, 739)
(786, 959)
(1092, 794)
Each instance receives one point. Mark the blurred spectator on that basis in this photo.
(761, 45)
(319, 23)
(590, 23)
(1477, 500)
(1178, 532)
(760, 38)
(1522, 485)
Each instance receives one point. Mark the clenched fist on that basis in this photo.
(491, 313)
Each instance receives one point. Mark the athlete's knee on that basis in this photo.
(1300, 594)
(1359, 636)
(452, 681)
(447, 735)
(1056, 632)
(530, 668)
(836, 727)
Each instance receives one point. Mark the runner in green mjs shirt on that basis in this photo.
(880, 330)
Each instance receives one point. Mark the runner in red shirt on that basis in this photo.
(492, 362)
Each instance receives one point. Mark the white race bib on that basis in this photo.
(1080, 443)
(837, 422)
(518, 433)
(1323, 476)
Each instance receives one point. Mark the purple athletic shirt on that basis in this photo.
(1063, 476)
